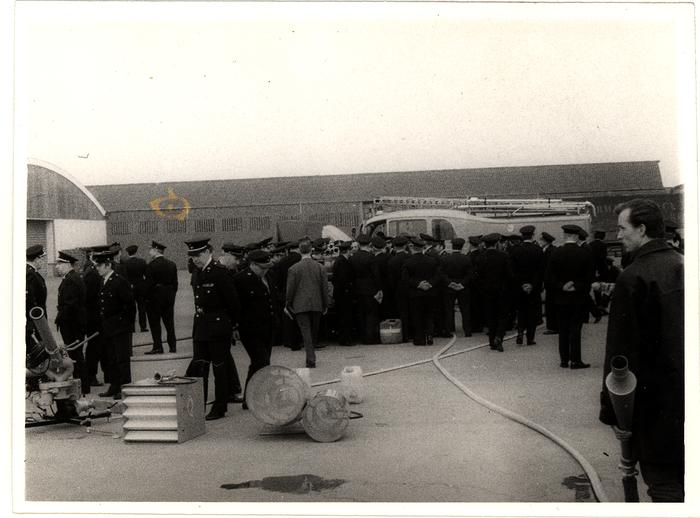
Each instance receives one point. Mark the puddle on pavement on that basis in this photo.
(581, 485)
(289, 484)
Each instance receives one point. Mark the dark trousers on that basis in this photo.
(290, 333)
(258, 345)
(570, 318)
(477, 309)
(234, 382)
(142, 307)
(343, 319)
(117, 356)
(664, 481)
(495, 310)
(440, 324)
(216, 352)
(551, 311)
(463, 298)
(80, 370)
(368, 318)
(93, 353)
(308, 323)
(405, 315)
(157, 311)
(422, 317)
(528, 308)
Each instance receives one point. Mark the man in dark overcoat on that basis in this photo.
(35, 289)
(494, 275)
(458, 271)
(94, 350)
(135, 267)
(259, 311)
(342, 293)
(71, 315)
(161, 286)
(367, 288)
(421, 273)
(547, 244)
(216, 313)
(569, 275)
(398, 288)
(527, 261)
(117, 313)
(646, 326)
(291, 336)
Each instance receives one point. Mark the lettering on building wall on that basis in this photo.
(171, 206)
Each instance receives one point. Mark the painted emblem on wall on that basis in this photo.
(171, 206)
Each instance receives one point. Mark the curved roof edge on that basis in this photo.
(70, 178)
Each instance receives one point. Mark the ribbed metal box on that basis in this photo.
(163, 412)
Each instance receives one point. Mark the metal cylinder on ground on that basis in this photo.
(326, 416)
(277, 395)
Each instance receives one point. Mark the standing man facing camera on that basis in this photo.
(161, 279)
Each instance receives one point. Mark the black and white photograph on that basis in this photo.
(352, 258)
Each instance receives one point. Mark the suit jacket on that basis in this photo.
(259, 309)
(35, 291)
(646, 326)
(527, 265)
(161, 281)
(567, 263)
(136, 274)
(307, 287)
(117, 307)
(366, 276)
(216, 304)
(421, 267)
(71, 315)
(342, 278)
(457, 267)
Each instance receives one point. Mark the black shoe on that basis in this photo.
(531, 342)
(118, 395)
(94, 382)
(213, 415)
(154, 351)
(109, 393)
(418, 342)
(579, 365)
(519, 340)
(550, 332)
(173, 350)
(429, 340)
(244, 406)
(235, 398)
(310, 365)
(498, 344)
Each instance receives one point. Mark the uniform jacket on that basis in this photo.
(307, 287)
(93, 285)
(366, 276)
(646, 325)
(457, 267)
(161, 280)
(382, 260)
(136, 274)
(71, 315)
(527, 265)
(117, 307)
(570, 262)
(216, 304)
(421, 267)
(35, 291)
(259, 309)
(494, 272)
(342, 278)
(394, 268)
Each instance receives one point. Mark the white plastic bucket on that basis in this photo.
(351, 384)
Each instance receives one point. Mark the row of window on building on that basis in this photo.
(234, 224)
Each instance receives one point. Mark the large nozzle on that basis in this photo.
(42, 327)
(621, 384)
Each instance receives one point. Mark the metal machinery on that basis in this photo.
(49, 381)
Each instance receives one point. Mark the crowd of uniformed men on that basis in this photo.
(497, 283)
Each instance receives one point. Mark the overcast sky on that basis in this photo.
(166, 92)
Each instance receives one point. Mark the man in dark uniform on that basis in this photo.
(117, 313)
(381, 257)
(117, 265)
(35, 291)
(527, 261)
(216, 314)
(421, 273)
(570, 274)
(94, 350)
(136, 274)
(367, 288)
(458, 271)
(259, 311)
(476, 248)
(547, 244)
(397, 287)
(494, 275)
(71, 315)
(291, 336)
(600, 252)
(161, 280)
(342, 293)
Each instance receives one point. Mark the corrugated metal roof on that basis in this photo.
(552, 180)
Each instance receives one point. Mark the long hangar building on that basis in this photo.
(247, 210)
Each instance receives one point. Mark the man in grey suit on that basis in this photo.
(307, 298)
